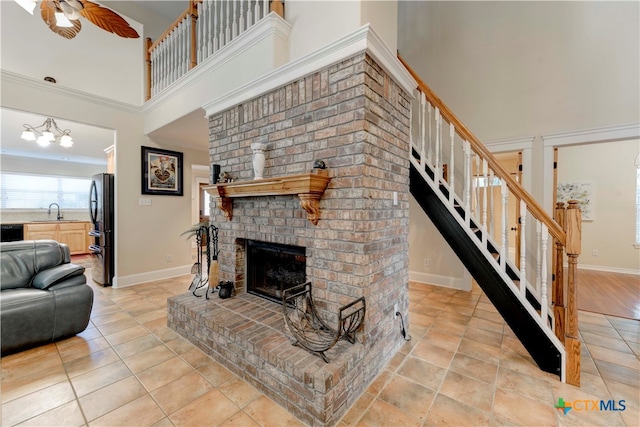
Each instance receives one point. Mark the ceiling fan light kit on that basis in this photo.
(63, 17)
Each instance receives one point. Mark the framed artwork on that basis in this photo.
(161, 172)
(580, 191)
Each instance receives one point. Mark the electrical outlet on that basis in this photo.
(427, 262)
(395, 198)
(168, 258)
(395, 309)
(594, 252)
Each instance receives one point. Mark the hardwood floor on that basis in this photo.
(613, 294)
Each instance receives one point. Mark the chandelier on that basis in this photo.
(47, 133)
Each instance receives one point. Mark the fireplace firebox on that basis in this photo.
(273, 267)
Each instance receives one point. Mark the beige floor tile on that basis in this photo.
(181, 392)
(65, 415)
(478, 350)
(18, 386)
(163, 373)
(119, 325)
(239, 392)
(40, 359)
(268, 413)
(215, 373)
(109, 318)
(358, 409)
(83, 348)
(100, 377)
(616, 344)
(521, 410)
(474, 368)
(143, 410)
(212, 408)
(36, 403)
(433, 354)
(378, 384)
(484, 336)
(517, 382)
(196, 358)
(240, 419)
(126, 335)
(446, 411)
(628, 360)
(410, 397)
(137, 345)
(148, 358)
(111, 397)
(425, 373)
(443, 340)
(180, 345)
(90, 362)
(381, 414)
(468, 391)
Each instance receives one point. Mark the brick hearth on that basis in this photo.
(354, 117)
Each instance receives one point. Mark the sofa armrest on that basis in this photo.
(51, 276)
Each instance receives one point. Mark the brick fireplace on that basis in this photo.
(353, 116)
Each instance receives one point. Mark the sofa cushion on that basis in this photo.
(51, 276)
(26, 316)
(20, 261)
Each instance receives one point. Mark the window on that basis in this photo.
(22, 191)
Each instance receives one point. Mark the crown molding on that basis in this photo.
(587, 136)
(78, 95)
(515, 144)
(364, 39)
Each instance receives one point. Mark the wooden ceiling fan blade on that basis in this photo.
(107, 20)
(48, 10)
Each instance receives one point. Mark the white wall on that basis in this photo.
(611, 169)
(512, 69)
(94, 61)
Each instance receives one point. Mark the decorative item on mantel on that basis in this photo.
(259, 159)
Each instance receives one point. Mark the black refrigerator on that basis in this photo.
(101, 210)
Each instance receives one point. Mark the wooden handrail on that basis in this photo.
(171, 28)
(555, 230)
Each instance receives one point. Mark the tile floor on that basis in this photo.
(462, 367)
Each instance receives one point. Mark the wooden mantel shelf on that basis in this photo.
(309, 188)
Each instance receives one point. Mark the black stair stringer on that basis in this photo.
(528, 331)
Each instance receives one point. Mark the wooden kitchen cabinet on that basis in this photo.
(41, 231)
(74, 234)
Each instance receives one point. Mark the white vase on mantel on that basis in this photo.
(258, 159)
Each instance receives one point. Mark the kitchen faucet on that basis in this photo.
(59, 217)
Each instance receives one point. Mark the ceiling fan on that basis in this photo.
(63, 17)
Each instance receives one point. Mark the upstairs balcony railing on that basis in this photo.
(202, 30)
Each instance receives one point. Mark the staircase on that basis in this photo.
(455, 179)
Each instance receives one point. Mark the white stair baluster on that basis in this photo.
(543, 285)
(467, 180)
(423, 101)
(491, 205)
(539, 256)
(430, 137)
(505, 225)
(476, 184)
(438, 174)
(523, 247)
(484, 200)
(451, 170)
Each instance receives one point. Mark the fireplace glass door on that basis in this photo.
(272, 267)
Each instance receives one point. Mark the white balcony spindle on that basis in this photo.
(256, 13)
(265, 8)
(215, 26)
(249, 14)
(243, 26)
(234, 26)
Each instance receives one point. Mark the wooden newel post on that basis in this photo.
(572, 343)
(193, 13)
(147, 58)
(557, 293)
(277, 7)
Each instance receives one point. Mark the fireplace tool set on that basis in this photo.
(206, 234)
(308, 330)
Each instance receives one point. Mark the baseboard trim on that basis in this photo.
(460, 283)
(150, 276)
(608, 269)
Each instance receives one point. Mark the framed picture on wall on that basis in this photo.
(161, 172)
